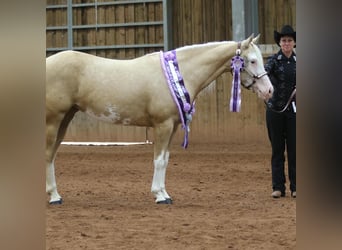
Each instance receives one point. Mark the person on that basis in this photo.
(281, 111)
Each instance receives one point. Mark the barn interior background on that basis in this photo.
(131, 28)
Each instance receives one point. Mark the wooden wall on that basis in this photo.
(200, 21)
(119, 35)
(56, 17)
(193, 21)
(273, 15)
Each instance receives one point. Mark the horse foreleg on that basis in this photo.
(163, 135)
(158, 182)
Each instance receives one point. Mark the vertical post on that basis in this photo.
(238, 20)
(251, 17)
(245, 18)
(146, 136)
(70, 33)
(167, 24)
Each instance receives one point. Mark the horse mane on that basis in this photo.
(193, 46)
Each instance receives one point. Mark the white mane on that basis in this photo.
(200, 45)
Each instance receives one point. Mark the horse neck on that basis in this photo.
(200, 65)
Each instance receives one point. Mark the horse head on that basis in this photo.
(253, 75)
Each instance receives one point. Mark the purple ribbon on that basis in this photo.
(178, 91)
(237, 65)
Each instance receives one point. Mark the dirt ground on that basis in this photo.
(221, 197)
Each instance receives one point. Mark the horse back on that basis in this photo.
(134, 89)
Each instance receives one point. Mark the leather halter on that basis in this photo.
(255, 77)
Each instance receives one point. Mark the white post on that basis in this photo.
(70, 35)
(244, 18)
(238, 20)
(251, 17)
(167, 24)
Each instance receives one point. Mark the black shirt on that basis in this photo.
(282, 73)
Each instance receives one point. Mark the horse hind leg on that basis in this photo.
(54, 137)
(163, 136)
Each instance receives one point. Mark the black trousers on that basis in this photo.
(281, 129)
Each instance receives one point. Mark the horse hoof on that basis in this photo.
(166, 201)
(58, 202)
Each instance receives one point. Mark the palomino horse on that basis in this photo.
(135, 92)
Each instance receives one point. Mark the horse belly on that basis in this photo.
(113, 114)
(109, 114)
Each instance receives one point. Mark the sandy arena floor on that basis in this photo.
(221, 197)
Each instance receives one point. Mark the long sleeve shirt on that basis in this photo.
(282, 73)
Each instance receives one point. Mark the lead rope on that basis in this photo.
(287, 104)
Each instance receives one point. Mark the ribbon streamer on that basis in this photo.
(237, 65)
(178, 91)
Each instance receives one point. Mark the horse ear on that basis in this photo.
(256, 39)
(245, 43)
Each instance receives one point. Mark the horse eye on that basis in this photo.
(253, 61)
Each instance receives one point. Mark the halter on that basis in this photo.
(255, 77)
